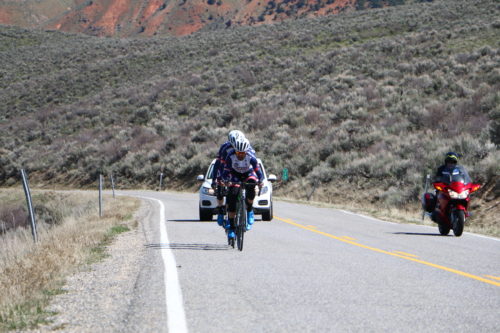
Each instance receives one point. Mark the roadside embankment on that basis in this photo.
(70, 236)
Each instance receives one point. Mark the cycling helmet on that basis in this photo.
(241, 144)
(233, 136)
(451, 157)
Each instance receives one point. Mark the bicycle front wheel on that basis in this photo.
(241, 223)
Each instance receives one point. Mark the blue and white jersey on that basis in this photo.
(225, 149)
(219, 162)
(245, 167)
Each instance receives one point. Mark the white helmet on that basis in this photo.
(233, 137)
(241, 144)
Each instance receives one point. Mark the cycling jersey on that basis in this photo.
(219, 160)
(225, 149)
(237, 170)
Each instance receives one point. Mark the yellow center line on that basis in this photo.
(347, 237)
(312, 226)
(493, 277)
(471, 276)
(406, 254)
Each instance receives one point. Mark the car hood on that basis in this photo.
(207, 183)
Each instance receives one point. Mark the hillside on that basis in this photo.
(359, 106)
(126, 18)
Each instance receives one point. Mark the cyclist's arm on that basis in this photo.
(226, 171)
(256, 168)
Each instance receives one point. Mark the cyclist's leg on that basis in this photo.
(220, 207)
(231, 208)
(250, 190)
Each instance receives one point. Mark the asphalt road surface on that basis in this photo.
(317, 270)
(312, 270)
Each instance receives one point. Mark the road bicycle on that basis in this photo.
(240, 220)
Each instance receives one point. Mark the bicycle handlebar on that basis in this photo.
(244, 184)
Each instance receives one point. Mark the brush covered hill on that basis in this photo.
(126, 18)
(359, 106)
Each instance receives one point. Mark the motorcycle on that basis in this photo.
(452, 203)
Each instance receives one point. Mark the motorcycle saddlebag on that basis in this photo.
(429, 202)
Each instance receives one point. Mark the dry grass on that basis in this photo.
(31, 273)
(485, 216)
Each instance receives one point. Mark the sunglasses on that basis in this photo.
(241, 153)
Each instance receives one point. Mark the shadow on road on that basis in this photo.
(419, 234)
(185, 246)
(189, 220)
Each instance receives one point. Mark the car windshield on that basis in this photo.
(210, 172)
(263, 170)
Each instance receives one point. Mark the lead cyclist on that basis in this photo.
(220, 162)
(241, 166)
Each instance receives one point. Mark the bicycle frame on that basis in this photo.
(240, 219)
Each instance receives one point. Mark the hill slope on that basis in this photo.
(127, 18)
(359, 106)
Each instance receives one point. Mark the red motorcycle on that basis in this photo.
(452, 203)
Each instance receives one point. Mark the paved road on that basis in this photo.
(312, 270)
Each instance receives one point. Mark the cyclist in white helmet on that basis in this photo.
(218, 168)
(220, 162)
(241, 166)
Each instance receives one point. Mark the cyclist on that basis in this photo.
(218, 169)
(241, 166)
(220, 162)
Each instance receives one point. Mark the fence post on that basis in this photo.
(31, 211)
(315, 184)
(161, 180)
(113, 185)
(100, 195)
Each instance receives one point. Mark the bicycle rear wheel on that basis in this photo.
(241, 223)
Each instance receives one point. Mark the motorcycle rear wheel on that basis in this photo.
(458, 222)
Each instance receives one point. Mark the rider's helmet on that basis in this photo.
(241, 145)
(451, 157)
(233, 136)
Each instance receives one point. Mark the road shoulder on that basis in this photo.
(98, 297)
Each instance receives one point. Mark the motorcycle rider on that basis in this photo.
(450, 167)
(444, 174)
(241, 166)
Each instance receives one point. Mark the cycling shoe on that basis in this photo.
(250, 219)
(220, 220)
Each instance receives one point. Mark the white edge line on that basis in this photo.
(176, 317)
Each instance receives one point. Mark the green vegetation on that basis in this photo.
(362, 104)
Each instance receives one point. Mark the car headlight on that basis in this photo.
(455, 195)
(264, 190)
(207, 191)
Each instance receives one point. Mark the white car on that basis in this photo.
(262, 204)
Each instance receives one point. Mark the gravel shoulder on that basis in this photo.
(100, 297)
